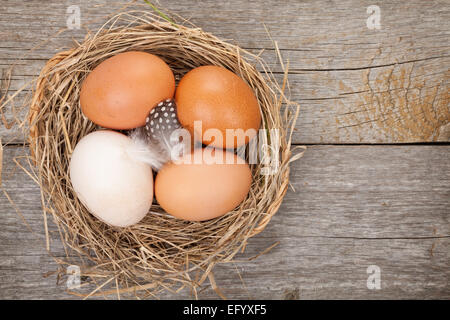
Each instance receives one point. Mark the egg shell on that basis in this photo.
(120, 91)
(112, 185)
(196, 189)
(221, 100)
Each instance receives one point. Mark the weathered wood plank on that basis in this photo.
(354, 206)
(315, 269)
(355, 85)
(400, 103)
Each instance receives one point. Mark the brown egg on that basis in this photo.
(220, 100)
(120, 91)
(201, 189)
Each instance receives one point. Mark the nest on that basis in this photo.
(161, 252)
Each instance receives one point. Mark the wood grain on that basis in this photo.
(355, 85)
(353, 206)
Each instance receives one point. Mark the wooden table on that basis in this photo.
(372, 192)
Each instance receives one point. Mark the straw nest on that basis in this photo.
(161, 252)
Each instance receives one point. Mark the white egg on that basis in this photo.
(113, 186)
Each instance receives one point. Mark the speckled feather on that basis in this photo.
(152, 142)
(162, 121)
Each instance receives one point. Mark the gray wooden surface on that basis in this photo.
(373, 188)
(355, 85)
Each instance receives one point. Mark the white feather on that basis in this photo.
(144, 150)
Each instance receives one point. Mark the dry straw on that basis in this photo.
(161, 252)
